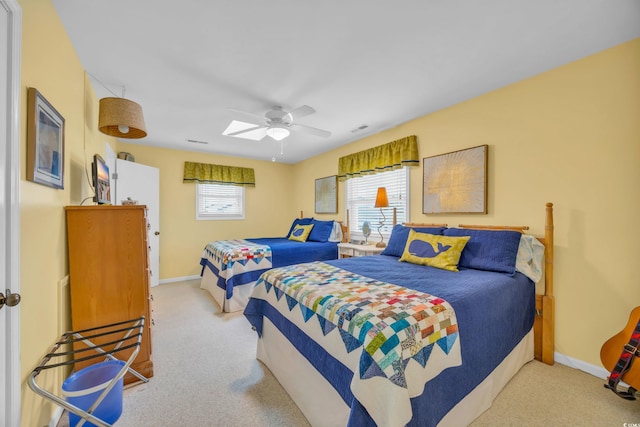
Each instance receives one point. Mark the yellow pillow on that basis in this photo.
(435, 251)
(301, 232)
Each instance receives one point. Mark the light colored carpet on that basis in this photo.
(206, 374)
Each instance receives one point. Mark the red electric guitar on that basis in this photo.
(618, 355)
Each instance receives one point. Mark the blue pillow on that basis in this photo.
(400, 234)
(321, 231)
(492, 250)
(299, 221)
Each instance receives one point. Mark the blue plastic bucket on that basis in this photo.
(84, 387)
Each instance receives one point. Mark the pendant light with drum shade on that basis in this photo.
(121, 118)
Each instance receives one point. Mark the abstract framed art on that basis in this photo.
(45, 141)
(455, 182)
(327, 194)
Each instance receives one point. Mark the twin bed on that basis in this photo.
(230, 268)
(374, 341)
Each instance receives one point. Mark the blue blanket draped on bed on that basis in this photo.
(494, 312)
(284, 252)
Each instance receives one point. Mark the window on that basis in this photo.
(217, 201)
(361, 196)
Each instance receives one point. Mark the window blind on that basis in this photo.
(361, 196)
(218, 201)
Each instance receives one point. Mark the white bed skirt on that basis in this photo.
(323, 406)
(239, 298)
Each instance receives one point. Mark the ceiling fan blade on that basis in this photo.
(301, 111)
(239, 132)
(257, 116)
(312, 130)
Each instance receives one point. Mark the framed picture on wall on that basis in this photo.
(45, 141)
(455, 182)
(327, 194)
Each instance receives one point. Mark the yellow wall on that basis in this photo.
(569, 136)
(50, 64)
(268, 205)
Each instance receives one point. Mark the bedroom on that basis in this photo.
(568, 136)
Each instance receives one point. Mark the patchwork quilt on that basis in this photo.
(235, 257)
(402, 337)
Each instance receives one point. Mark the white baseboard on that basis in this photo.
(596, 371)
(178, 279)
(55, 420)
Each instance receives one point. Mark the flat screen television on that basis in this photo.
(100, 174)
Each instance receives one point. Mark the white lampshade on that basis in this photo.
(277, 132)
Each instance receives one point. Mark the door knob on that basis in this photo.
(157, 233)
(10, 300)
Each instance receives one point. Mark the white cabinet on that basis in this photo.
(346, 250)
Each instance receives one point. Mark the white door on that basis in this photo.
(10, 46)
(142, 183)
(110, 159)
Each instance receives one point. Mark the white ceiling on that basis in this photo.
(189, 63)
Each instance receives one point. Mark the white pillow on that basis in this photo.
(336, 232)
(529, 257)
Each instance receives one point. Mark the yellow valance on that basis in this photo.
(386, 157)
(218, 174)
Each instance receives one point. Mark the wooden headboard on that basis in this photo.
(422, 224)
(543, 326)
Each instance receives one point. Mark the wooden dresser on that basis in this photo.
(109, 273)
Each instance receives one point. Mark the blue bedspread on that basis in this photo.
(283, 252)
(494, 312)
(287, 252)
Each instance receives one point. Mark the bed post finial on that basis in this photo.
(548, 237)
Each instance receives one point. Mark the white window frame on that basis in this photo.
(401, 201)
(236, 194)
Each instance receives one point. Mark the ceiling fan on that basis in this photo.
(278, 124)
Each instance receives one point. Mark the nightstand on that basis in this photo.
(346, 250)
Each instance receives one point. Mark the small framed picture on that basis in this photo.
(327, 194)
(45, 141)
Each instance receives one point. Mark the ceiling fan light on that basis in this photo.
(278, 132)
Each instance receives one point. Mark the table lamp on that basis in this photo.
(381, 202)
